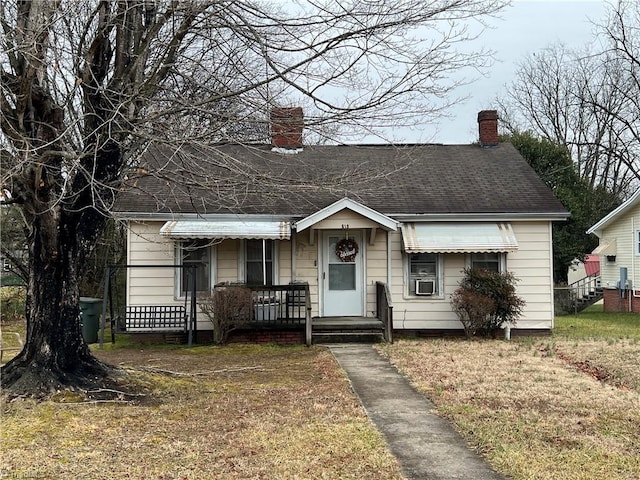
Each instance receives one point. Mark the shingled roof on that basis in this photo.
(425, 179)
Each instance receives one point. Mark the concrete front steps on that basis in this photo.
(346, 330)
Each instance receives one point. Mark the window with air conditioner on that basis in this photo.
(425, 287)
(423, 274)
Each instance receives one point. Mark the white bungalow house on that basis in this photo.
(353, 229)
(619, 251)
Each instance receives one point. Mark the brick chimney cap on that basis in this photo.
(487, 115)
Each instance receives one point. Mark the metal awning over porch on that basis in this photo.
(253, 229)
(458, 237)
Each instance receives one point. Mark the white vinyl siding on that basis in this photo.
(227, 261)
(625, 230)
(376, 267)
(153, 286)
(345, 219)
(306, 264)
(149, 286)
(532, 264)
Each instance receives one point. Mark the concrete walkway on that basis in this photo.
(426, 444)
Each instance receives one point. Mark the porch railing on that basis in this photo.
(577, 295)
(384, 308)
(271, 306)
(586, 286)
(280, 304)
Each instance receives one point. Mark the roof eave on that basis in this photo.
(448, 217)
(612, 215)
(384, 221)
(398, 217)
(173, 216)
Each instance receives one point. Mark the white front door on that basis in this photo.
(342, 277)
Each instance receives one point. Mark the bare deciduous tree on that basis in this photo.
(86, 86)
(587, 101)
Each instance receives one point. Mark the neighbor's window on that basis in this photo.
(259, 255)
(487, 261)
(198, 254)
(424, 274)
(637, 242)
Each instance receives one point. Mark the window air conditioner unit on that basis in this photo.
(425, 287)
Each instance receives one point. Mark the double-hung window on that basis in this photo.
(195, 255)
(494, 262)
(259, 262)
(424, 274)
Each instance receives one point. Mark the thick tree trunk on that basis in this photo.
(55, 354)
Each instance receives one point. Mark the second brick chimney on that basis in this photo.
(488, 128)
(287, 124)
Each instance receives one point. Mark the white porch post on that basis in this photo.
(293, 257)
(264, 261)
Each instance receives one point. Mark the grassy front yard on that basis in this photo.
(236, 412)
(562, 407)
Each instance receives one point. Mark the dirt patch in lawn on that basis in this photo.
(615, 362)
(527, 406)
(222, 413)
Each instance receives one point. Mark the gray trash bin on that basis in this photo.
(90, 311)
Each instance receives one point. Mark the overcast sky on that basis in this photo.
(526, 26)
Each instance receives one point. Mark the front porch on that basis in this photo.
(277, 312)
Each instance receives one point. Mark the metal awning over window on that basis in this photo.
(607, 247)
(183, 229)
(458, 237)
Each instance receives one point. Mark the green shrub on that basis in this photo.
(484, 301)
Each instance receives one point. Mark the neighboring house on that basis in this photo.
(619, 251)
(8, 275)
(580, 270)
(583, 285)
(344, 220)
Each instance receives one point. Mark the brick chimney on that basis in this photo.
(488, 127)
(287, 124)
